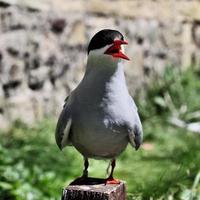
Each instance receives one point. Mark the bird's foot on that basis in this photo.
(111, 180)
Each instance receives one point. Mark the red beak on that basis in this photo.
(116, 51)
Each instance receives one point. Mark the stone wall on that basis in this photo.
(43, 47)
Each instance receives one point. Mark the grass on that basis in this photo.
(166, 167)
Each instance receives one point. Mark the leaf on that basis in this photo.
(186, 195)
(160, 101)
(5, 185)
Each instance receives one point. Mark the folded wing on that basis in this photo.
(136, 133)
(63, 128)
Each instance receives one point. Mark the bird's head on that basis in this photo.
(107, 44)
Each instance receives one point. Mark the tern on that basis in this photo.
(99, 117)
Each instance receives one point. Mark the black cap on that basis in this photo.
(103, 38)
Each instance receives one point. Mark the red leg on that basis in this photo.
(110, 179)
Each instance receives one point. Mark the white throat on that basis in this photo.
(102, 64)
(104, 75)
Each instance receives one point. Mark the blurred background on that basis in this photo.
(43, 54)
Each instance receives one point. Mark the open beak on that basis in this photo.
(116, 51)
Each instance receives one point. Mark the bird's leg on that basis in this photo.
(110, 179)
(112, 169)
(85, 171)
(108, 168)
(84, 178)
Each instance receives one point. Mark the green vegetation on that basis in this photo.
(166, 167)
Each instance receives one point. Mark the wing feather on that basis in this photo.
(63, 127)
(136, 133)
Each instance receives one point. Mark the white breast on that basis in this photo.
(101, 105)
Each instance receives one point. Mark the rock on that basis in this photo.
(16, 72)
(20, 107)
(4, 122)
(43, 46)
(37, 78)
(12, 51)
(11, 88)
(196, 33)
(58, 25)
(77, 34)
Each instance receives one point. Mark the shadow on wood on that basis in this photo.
(88, 181)
(95, 189)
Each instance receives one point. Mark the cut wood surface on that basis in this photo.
(95, 192)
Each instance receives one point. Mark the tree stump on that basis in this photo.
(95, 192)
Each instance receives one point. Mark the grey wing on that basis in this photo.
(136, 133)
(63, 127)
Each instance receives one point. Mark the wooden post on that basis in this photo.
(95, 192)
